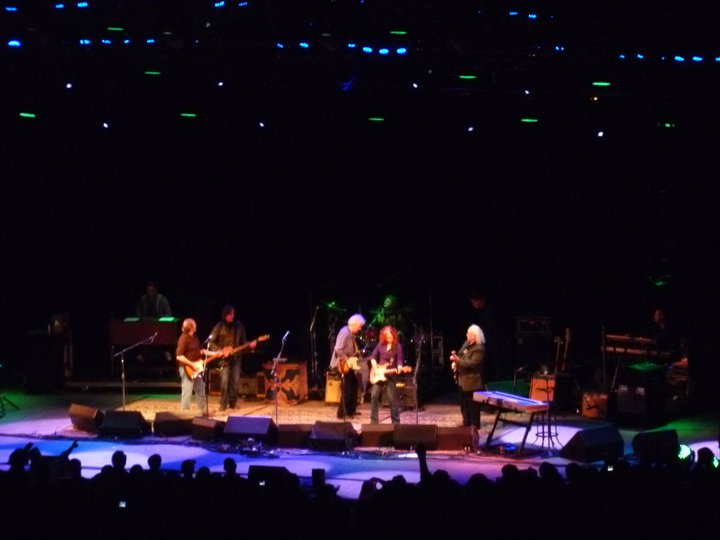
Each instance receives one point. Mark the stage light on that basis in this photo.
(105, 125)
(351, 45)
(242, 4)
(11, 8)
(398, 32)
(82, 5)
(188, 115)
(526, 92)
(221, 83)
(59, 6)
(115, 29)
(415, 85)
(600, 134)
(697, 59)
(261, 124)
(126, 42)
(601, 83)
(529, 120)
(106, 42)
(376, 119)
(85, 42)
(532, 16)
(367, 49)
(150, 41)
(280, 45)
(717, 58)
(513, 13)
(640, 56)
(27, 115)
(219, 4)
(383, 51)
(14, 43)
(679, 58)
(467, 77)
(152, 73)
(621, 57)
(401, 50)
(470, 129)
(304, 45)
(68, 86)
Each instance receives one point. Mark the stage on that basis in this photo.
(44, 420)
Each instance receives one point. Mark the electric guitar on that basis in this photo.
(379, 372)
(347, 364)
(194, 372)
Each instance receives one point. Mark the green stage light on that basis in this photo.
(188, 115)
(601, 83)
(152, 73)
(27, 115)
(398, 32)
(115, 29)
(375, 119)
(529, 120)
(467, 77)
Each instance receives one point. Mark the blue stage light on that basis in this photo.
(280, 45)
(621, 57)
(10, 8)
(640, 56)
(85, 42)
(513, 13)
(82, 5)
(697, 58)
(14, 43)
(351, 45)
(59, 6)
(304, 44)
(367, 49)
(401, 50)
(383, 51)
(532, 16)
(679, 58)
(150, 41)
(219, 4)
(105, 41)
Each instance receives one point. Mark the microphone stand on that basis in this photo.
(275, 379)
(313, 356)
(121, 355)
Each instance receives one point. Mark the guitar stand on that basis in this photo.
(3, 402)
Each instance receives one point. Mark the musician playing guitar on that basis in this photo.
(344, 359)
(467, 365)
(227, 336)
(386, 360)
(189, 354)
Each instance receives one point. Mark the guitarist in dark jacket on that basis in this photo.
(344, 359)
(226, 335)
(468, 367)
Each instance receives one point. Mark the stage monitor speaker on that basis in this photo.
(169, 424)
(594, 444)
(408, 436)
(293, 435)
(207, 429)
(658, 447)
(124, 424)
(337, 436)
(259, 428)
(377, 435)
(86, 418)
(454, 438)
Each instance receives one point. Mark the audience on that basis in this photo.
(626, 500)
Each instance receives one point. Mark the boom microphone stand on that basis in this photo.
(121, 355)
(273, 374)
(314, 375)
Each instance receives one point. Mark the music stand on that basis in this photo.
(273, 374)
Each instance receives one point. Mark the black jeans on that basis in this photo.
(349, 395)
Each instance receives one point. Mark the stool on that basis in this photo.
(546, 428)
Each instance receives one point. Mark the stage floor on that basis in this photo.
(44, 421)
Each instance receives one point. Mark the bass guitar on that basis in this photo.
(378, 372)
(194, 372)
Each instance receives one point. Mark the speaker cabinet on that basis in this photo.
(332, 388)
(169, 424)
(408, 436)
(294, 435)
(659, 447)
(377, 435)
(86, 418)
(594, 444)
(338, 436)
(124, 425)
(207, 429)
(454, 438)
(405, 394)
(259, 428)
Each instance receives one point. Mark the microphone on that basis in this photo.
(207, 339)
(286, 335)
(152, 338)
